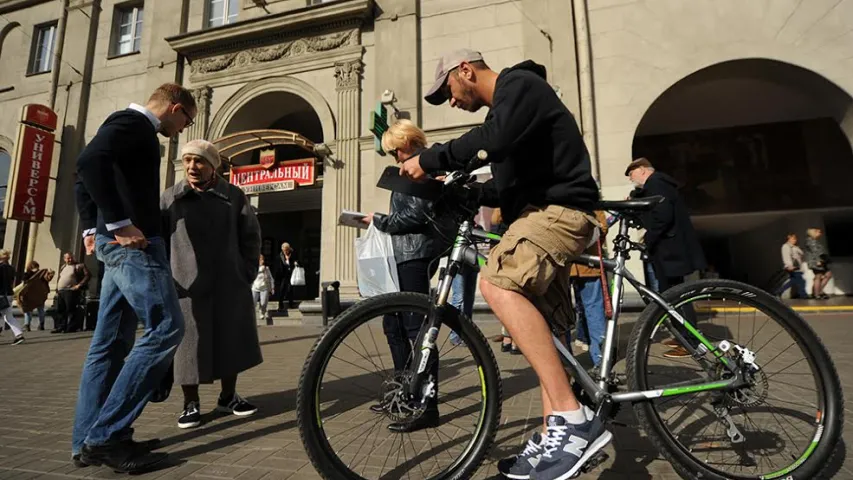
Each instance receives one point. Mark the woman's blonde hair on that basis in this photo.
(5, 254)
(401, 134)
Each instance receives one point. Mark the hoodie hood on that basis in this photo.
(530, 66)
(666, 178)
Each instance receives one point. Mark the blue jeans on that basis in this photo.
(119, 377)
(591, 321)
(28, 318)
(462, 292)
(798, 284)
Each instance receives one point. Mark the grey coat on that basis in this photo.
(214, 241)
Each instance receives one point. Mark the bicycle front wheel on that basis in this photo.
(348, 397)
(784, 423)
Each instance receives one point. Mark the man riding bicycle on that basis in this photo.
(545, 189)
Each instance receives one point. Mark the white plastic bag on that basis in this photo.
(297, 278)
(376, 267)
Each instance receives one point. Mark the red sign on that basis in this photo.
(39, 115)
(30, 179)
(267, 158)
(285, 176)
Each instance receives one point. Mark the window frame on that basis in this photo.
(35, 47)
(137, 27)
(228, 17)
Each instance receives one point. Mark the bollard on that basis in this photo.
(331, 300)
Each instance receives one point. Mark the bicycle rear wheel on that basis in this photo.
(350, 368)
(785, 423)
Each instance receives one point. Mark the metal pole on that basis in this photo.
(585, 77)
(54, 86)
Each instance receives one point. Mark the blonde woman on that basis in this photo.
(7, 281)
(416, 245)
(818, 260)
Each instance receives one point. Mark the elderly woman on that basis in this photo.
(416, 245)
(214, 244)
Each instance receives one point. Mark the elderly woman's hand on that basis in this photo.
(367, 219)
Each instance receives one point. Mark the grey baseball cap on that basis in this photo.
(446, 63)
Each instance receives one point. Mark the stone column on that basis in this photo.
(202, 96)
(346, 169)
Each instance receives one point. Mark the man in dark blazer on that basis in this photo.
(671, 242)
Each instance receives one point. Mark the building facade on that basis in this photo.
(747, 104)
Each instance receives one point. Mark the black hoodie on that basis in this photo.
(535, 147)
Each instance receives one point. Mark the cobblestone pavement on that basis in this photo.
(39, 385)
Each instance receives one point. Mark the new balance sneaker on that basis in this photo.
(237, 406)
(18, 340)
(191, 416)
(519, 466)
(568, 446)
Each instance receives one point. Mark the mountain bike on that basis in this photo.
(758, 396)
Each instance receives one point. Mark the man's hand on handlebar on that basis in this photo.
(412, 168)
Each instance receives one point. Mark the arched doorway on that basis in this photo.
(292, 216)
(761, 150)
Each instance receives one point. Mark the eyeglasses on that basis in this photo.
(190, 121)
(393, 153)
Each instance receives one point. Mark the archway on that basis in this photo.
(761, 148)
(294, 216)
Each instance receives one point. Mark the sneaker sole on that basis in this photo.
(239, 414)
(514, 476)
(597, 445)
(189, 424)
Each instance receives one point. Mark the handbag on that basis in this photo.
(297, 278)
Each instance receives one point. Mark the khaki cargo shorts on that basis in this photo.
(533, 256)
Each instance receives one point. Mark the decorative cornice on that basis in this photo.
(271, 30)
(290, 49)
(7, 6)
(348, 74)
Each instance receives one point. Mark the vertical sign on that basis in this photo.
(267, 158)
(29, 179)
(378, 124)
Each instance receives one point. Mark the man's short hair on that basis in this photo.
(173, 93)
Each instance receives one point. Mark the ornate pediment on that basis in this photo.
(270, 53)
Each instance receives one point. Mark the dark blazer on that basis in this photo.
(672, 243)
(285, 270)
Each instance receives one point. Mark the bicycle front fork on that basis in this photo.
(424, 351)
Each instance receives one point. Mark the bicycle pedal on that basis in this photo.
(594, 461)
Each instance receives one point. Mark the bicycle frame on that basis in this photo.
(464, 253)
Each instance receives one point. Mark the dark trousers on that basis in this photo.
(67, 310)
(687, 312)
(402, 329)
(285, 294)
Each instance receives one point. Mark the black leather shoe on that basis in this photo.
(143, 447)
(122, 458)
(506, 347)
(428, 420)
(58, 330)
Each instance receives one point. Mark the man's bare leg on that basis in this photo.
(530, 332)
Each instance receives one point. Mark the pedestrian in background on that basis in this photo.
(73, 278)
(286, 263)
(792, 260)
(818, 260)
(34, 291)
(214, 242)
(671, 242)
(118, 191)
(589, 302)
(7, 281)
(262, 288)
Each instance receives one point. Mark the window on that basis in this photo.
(221, 12)
(127, 31)
(41, 57)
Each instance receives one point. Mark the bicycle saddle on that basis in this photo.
(635, 205)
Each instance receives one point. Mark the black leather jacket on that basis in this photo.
(412, 234)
